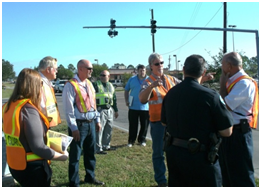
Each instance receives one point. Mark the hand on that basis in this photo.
(98, 127)
(76, 135)
(65, 153)
(116, 114)
(127, 104)
(223, 78)
(208, 77)
(157, 82)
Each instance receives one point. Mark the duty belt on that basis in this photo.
(193, 145)
(84, 120)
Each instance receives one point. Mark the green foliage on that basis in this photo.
(249, 65)
(63, 73)
(130, 67)
(97, 69)
(125, 78)
(7, 70)
(105, 65)
(71, 67)
(35, 68)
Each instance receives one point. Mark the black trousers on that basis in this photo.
(191, 170)
(37, 174)
(236, 159)
(133, 117)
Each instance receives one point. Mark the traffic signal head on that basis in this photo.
(153, 26)
(110, 33)
(115, 33)
(112, 24)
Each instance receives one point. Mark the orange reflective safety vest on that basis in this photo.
(159, 92)
(84, 101)
(51, 105)
(253, 122)
(16, 156)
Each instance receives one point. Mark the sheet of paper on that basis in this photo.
(130, 99)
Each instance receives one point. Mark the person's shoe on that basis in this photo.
(129, 145)
(162, 185)
(143, 144)
(95, 182)
(110, 148)
(101, 152)
(73, 185)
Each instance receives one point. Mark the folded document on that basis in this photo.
(58, 141)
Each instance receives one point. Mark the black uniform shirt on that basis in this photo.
(191, 110)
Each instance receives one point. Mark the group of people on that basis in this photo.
(185, 111)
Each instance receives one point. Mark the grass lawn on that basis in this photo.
(6, 93)
(125, 167)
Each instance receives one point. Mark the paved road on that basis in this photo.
(122, 123)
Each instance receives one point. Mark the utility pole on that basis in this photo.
(225, 26)
(169, 65)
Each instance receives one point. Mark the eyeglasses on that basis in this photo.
(157, 64)
(89, 68)
(54, 68)
(102, 75)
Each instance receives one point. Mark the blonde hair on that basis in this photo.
(28, 86)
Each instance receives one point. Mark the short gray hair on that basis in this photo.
(153, 56)
(47, 61)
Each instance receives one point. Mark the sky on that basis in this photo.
(33, 30)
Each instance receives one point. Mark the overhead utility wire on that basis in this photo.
(193, 36)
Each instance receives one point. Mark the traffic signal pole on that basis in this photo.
(153, 35)
(193, 28)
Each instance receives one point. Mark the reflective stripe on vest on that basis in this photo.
(51, 105)
(15, 152)
(101, 95)
(81, 95)
(253, 122)
(159, 92)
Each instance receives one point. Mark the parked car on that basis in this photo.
(116, 83)
(53, 84)
(59, 85)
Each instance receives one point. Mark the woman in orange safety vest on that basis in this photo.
(25, 128)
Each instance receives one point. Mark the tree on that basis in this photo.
(7, 70)
(97, 69)
(71, 67)
(249, 65)
(125, 78)
(63, 73)
(35, 68)
(105, 66)
(130, 67)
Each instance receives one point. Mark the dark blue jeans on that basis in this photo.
(88, 142)
(157, 134)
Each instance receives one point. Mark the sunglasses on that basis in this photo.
(89, 68)
(157, 64)
(102, 75)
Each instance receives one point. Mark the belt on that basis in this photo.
(238, 126)
(84, 120)
(187, 144)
